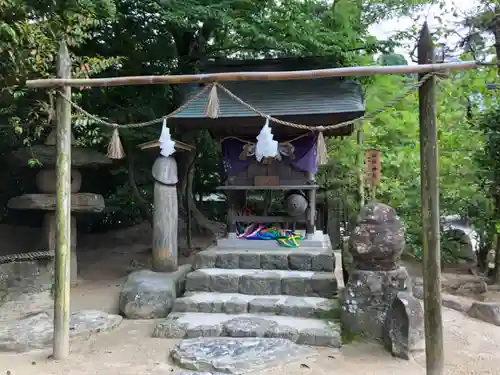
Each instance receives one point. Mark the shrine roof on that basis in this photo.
(311, 102)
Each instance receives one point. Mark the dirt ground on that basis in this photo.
(471, 346)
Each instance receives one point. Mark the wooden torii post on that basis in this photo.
(429, 203)
(429, 173)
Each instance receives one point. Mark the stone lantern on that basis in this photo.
(46, 182)
(378, 300)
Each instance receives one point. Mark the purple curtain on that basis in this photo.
(304, 155)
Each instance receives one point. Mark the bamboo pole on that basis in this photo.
(63, 212)
(250, 76)
(429, 176)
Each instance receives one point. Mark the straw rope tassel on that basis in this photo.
(115, 147)
(321, 150)
(212, 108)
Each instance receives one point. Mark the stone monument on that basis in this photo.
(46, 182)
(372, 304)
(165, 214)
(150, 294)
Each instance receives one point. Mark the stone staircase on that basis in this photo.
(284, 293)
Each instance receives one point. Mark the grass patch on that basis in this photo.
(348, 337)
(333, 315)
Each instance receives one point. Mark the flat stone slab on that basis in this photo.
(263, 282)
(235, 356)
(282, 259)
(236, 303)
(302, 331)
(80, 202)
(150, 295)
(47, 155)
(36, 331)
(318, 240)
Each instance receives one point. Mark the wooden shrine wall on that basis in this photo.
(284, 173)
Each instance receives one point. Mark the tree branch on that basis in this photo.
(143, 204)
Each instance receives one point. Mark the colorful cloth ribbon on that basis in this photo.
(285, 237)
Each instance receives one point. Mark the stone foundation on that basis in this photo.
(368, 296)
(25, 287)
(378, 300)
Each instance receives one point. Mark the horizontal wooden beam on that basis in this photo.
(354, 71)
(279, 187)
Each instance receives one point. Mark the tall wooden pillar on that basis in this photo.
(49, 230)
(165, 215)
(429, 177)
(62, 279)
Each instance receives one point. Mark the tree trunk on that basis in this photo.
(496, 33)
(496, 272)
(143, 204)
(186, 163)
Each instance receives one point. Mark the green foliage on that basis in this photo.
(30, 33)
(392, 59)
(130, 37)
(157, 38)
(395, 133)
(488, 162)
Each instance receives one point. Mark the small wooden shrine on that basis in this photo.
(292, 173)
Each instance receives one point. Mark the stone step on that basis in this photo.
(303, 331)
(263, 282)
(236, 303)
(283, 259)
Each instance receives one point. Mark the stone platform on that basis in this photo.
(237, 303)
(316, 332)
(272, 259)
(263, 282)
(267, 293)
(317, 240)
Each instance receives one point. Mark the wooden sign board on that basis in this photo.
(266, 181)
(372, 166)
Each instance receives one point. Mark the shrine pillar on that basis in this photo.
(165, 215)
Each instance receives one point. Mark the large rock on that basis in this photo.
(150, 295)
(378, 239)
(25, 286)
(486, 311)
(404, 326)
(235, 356)
(451, 301)
(367, 298)
(36, 331)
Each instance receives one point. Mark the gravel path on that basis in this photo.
(471, 347)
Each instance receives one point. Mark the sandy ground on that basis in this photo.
(471, 346)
